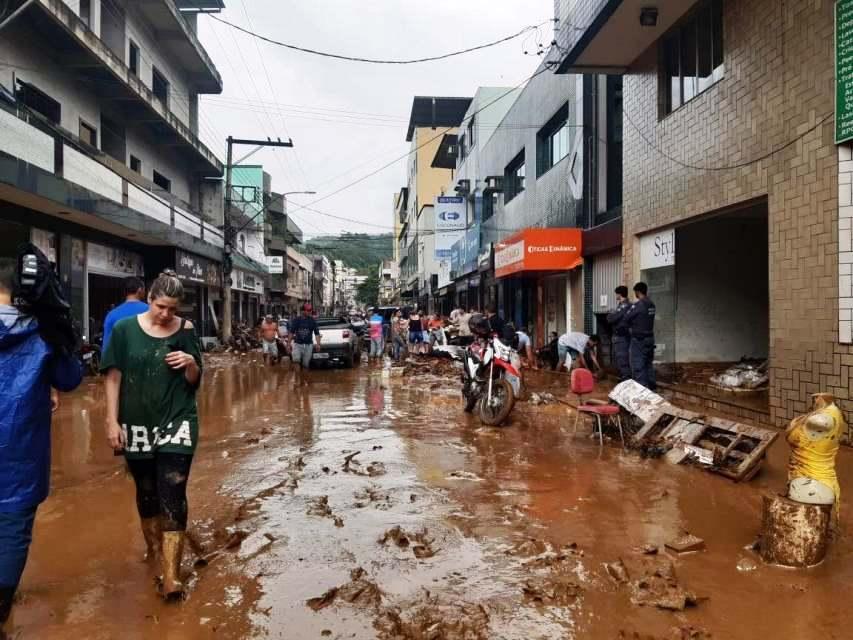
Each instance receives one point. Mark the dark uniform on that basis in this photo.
(640, 319)
(621, 339)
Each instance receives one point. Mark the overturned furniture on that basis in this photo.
(729, 448)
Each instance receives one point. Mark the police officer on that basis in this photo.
(640, 319)
(621, 333)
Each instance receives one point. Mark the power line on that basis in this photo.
(730, 167)
(336, 56)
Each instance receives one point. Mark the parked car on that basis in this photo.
(341, 344)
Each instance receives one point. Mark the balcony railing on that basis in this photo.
(30, 138)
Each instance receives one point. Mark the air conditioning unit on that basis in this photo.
(463, 187)
(494, 184)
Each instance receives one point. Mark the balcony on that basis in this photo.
(46, 169)
(606, 36)
(94, 63)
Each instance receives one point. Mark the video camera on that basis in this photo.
(38, 293)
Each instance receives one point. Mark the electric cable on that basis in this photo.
(336, 56)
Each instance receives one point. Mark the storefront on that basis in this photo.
(202, 280)
(539, 280)
(106, 270)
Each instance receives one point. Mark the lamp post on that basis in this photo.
(284, 202)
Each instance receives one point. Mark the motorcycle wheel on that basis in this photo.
(503, 400)
(95, 364)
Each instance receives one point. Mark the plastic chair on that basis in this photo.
(582, 383)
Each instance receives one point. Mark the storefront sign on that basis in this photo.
(197, 269)
(539, 250)
(472, 249)
(111, 261)
(657, 249)
(450, 223)
(843, 70)
(457, 256)
(275, 264)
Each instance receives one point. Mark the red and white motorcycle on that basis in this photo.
(491, 379)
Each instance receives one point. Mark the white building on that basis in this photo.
(100, 160)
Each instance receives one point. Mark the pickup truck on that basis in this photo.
(340, 343)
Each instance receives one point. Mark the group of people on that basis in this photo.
(301, 338)
(633, 326)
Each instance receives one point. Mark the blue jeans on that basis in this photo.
(563, 352)
(376, 347)
(16, 533)
(399, 347)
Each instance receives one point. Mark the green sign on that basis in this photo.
(843, 71)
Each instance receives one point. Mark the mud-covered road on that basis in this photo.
(437, 528)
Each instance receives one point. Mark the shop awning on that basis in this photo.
(247, 264)
(539, 250)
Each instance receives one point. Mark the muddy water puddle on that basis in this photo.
(367, 505)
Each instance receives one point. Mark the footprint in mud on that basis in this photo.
(421, 545)
(433, 620)
(359, 591)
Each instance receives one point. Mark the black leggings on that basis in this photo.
(161, 488)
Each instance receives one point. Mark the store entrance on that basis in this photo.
(105, 294)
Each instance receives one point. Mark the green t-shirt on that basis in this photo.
(157, 406)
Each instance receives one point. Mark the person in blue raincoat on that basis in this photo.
(29, 369)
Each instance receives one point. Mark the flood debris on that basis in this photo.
(746, 375)
(351, 465)
(359, 591)
(538, 399)
(319, 507)
(372, 495)
(434, 620)
(419, 542)
(675, 633)
(687, 543)
(617, 571)
(659, 587)
(553, 590)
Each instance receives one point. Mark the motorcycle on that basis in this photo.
(90, 355)
(491, 379)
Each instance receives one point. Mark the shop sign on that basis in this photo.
(472, 249)
(112, 261)
(197, 269)
(275, 264)
(450, 223)
(843, 71)
(457, 256)
(657, 249)
(539, 249)
(485, 259)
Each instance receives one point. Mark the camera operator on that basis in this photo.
(30, 367)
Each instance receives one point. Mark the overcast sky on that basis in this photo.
(345, 118)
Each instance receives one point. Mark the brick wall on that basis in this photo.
(778, 85)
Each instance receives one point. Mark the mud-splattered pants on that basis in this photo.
(161, 488)
(16, 533)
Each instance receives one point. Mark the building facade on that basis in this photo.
(101, 165)
(736, 203)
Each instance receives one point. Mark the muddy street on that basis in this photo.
(368, 505)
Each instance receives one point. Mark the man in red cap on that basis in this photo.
(303, 330)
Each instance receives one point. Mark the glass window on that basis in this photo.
(88, 134)
(692, 55)
(514, 177)
(133, 62)
(552, 141)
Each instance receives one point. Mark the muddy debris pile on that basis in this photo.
(434, 620)
(372, 470)
(538, 399)
(553, 590)
(435, 366)
(320, 507)
(419, 543)
(372, 495)
(658, 586)
(359, 592)
(675, 633)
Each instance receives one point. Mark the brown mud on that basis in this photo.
(526, 531)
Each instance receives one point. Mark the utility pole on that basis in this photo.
(228, 231)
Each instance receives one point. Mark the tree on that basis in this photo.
(368, 291)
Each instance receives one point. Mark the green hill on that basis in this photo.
(357, 250)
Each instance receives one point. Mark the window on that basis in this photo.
(489, 205)
(162, 181)
(471, 127)
(463, 152)
(136, 164)
(514, 176)
(88, 134)
(160, 87)
(133, 58)
(86, 12)
(38, 101)
(692, 55)
(552, 141)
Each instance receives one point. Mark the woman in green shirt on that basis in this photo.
(153, 365)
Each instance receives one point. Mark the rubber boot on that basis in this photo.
(152, 533)
(173, 551)
(7, 595)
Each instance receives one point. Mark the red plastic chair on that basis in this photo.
(583, 384)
